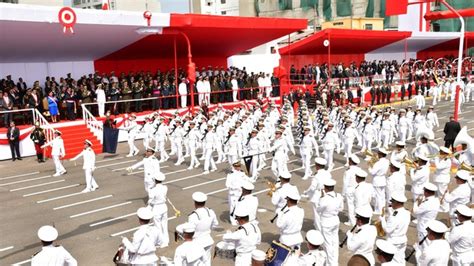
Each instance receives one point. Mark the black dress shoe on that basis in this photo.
(19, 159)
(13, 159)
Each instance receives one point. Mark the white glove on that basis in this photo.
(129, 169)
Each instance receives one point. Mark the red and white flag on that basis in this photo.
(105, 5)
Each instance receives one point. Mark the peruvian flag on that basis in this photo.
(105, 5)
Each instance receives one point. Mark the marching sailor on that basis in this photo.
(233, 146)
(385, 252)
(193, 136)
(461, 237)
(157, 202)
(437, 250)
(419, 177)
(289, 220)
(442, 174)
(57, 151)
(426, 209)
(307, 144)
(396, 181)
(379, 172)
(233, 183)
(210, 143)
(280, 154)
(348, 187)
(361, 239)
(315, 255)
(190, 252)
(161, 132)
(314, 191)
(132, 129)
(51, 255)
(330, 141)
(279, 195)
(247, 200)
(151, 167)
(460, 195)
(88, 157)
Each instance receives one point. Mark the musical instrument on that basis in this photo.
(463, 138)
(122, 256)
(272, 187)
(378, 225)
(276, 215)
(424, 132)
(225, 250)
(441, 200)
(414, 249)
(373, 158)
(345, 239)
(277, 254)
(177, 213)
(465, 166)
(178, 236)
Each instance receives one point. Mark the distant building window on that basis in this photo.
(338, 23)
(222, 1)
(223, 12)
(369, 26)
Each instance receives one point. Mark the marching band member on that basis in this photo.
(246, 237)
(361, 241)
(193, 136)
(221, 133)
(460, 195)
(247, 200)
(348, 188)
(88, 157)
(147, 130)
(254, 147)
(385, 252)
(403, 126)
(329, 206)
(399, 154)
(419, 121)
(364, 191)
(233, 183)
(442, 174)
(379, 172)
(57, 151)
(143, 245)
(396, 181)
(157, 202)
(396, 224)
(177, 134)
(431, 118)
(209, 145)
(426, 209)
(315, 255)
(330, 141)
(368, 133)
(264, 136)
(51, 254)
(279, 196)
(387, 128)
(307, 144)
(161, 132)
(290, 220)
(151, 167)
(419, 176)
(280, 156)
(461, 237)
(131, 127)
(349, 134)
(233, 146)
(314, 191)
(437, 250)
(190, 252)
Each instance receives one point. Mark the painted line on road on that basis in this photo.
(51, 190)
(135, 228)
(39, 185)
(123, 168)
(14, 176)
(204, 183)
(26, 180)
(7, 248)
(21, 262)
(111, 159)
(181, 179)
(100, 209)
(81, 202)
(112, 164)
(217, 191)
(113, 219)
(60, 197)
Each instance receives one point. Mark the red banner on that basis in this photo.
(396, 7)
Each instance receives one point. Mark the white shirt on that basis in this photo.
(379, 172)
(362, 241)
(53, 256)
(330, 141)
(246, 238)
(396, 225)
(363, 194)
(157, 196)
(461, 239)
(182, 89)
(329, 207)
(57, 147)
(151, 166)
(313, 257)
(461, 195)
(436, 253)
(189, 254)
(314, 190)
(143, 245)
(204, 219)
(396, 182)
(425, 212)
(419, 178)
(234, 182)
(349, 182)
(251, 203)
(88, 157)
(442, 173)
(290, 222)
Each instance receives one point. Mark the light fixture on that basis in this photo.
(149, 30)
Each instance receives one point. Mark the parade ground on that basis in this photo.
(91, 224)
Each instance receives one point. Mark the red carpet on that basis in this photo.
(74, 137)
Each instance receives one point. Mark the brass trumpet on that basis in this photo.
(409, 163)
(465, 166)
(373, 158)
(272, 187)
(378, 225)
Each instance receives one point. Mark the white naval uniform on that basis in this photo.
(330, 141)
(314, 194)
(435, 253)
(157, 202)
(147, 130)
(387, 129)
(363, 194)
(205, 220)
(142, 248)
(57, 151)
(233, 148)
(348, 190)
(395, 183)
(250, 202)
(254, 146)
(424, 213)
(189, 253)
(362, 241)
(348, 137)
(379, 172)
(328, 209)
(194, 137)
(151, 166)
(177, 136)
(403, 128)
(308, 143)
(88, 165)
(290, 222)
(53, 256)
(246, 239)
(209, 145)
(419, 178)
(279, 196)
(441, 178)
(313, 257)
(234, 183)
(432, 120)
(369, 134)
(461, 195)
(280, 157)
(461, 240)
(131, 127)
(183, 93)
(160, 140)
(396, 226)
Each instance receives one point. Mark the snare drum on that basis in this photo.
(277, 254)
(225, 250)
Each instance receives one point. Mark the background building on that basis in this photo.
(40, 2)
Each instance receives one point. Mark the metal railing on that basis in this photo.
(44, 124)
(92, 123)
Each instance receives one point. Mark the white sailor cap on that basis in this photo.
(258, 255)
(144, 213)
(464, 210)
(400, 143)
(285, 175)
(320, 161)
(399, 196)
(463, 175)
(445, 150)
(293, 193)
(423, 158)
(329, 182)
(47, 233)
(365, 211)
(160, 176)
(88, 142)
(437, 226)
(385, 246)
(395, 163)
(314, 237)
(199, 197)
(383, 151)
(361, 173)
(354, 159)
(430, 186)
(247, 185)
(241, 211)
(186, 228)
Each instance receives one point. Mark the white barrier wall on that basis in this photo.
(27, 147)
(30, 72)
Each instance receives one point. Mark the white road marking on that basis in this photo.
(123, 168)
(39, 185)
(26, 180)
(112, 164)
(14, 176)
(81, 202)
(260, 192)
(178, 171)
(51, 190)
(135, 228)
(181, 179)
(21, 262)
(113, 219)
(100, 209)
(111, 159)
(60, 197)
(217, 191)
(5, 249)
(205, 183)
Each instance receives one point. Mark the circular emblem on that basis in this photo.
(326, 43)
(67, 17)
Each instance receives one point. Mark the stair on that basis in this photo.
(74, 137)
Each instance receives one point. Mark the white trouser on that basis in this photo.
(279, 166)
(348, 149)
(367, 143)
(58, 165)
(146, 142)
(261, 161)
(350, 208)
(328, 155)
(186, 148)
(464, 259)
(399, 256)
(160, 146)
(160, 219)
(90, 180)
(208, 159)
(317, 218)
(206, 259)
(234, 95)
(179, 150)
(184, 101)
(149, 184)
(384, 139)
(442, 187)
(379, 199)
(243, 259)
(306, 159)
(254, 166)
(402, 133)
(331, 243)
(131, 144)
(101, 106)
(220, 153)
(173, 145)
(231, 158)
(192, 153)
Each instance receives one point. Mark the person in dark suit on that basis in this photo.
(372, 95)
(410, 90)
(402, 91)
(451, 130)
(13, 136)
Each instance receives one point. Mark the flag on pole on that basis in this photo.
(248, 162)
(105, 5)
(396, 7)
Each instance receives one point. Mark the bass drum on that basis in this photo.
(277, 254)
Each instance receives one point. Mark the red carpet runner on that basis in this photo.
(74, 137)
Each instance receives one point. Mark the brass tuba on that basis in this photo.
(465, 166)
(463, 138)
(372, 157)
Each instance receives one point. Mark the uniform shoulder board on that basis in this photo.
(395, 213)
